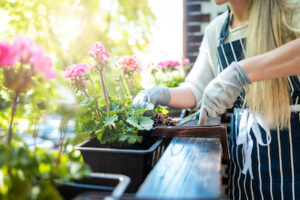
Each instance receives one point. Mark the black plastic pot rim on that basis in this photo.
(115, 150)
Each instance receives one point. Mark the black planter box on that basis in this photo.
(131, 162)
(113, 185)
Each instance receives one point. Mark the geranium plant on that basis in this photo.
(113, 120)
(30, 173)
(170, 70)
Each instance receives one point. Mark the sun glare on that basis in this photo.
(68, 28)
(4, 21)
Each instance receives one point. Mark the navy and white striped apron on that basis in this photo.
(275, 156)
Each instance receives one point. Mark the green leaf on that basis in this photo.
(89, 126)
(99, 133)
(131, 139)
(146, 123)
(142, 123)
(133, 121)
(44, 168)
(110, 120)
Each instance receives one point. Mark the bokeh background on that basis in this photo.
(152, 30)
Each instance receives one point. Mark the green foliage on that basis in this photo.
(116, 129)
(174, 82)
(34, 174)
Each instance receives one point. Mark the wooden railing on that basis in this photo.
(190, 167)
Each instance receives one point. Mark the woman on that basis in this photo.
(265, 129)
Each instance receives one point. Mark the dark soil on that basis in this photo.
(163, 120)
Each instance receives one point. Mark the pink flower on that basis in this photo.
(8, 55)
(162, 65)
(168, 64)
(97, 51)
(129, 64)
(25, 51)
(24, 47)
(186, 61)
(41, 63)
(50, 74)
(76, 70)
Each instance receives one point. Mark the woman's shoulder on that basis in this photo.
(214, 27)
(212, 32)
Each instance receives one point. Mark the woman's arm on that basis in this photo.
(280, 62)
(182, 98)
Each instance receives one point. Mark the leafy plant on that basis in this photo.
(35, 174)
(113, 120)
(169, 70)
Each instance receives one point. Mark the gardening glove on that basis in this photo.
(156, 96)
(221, 93)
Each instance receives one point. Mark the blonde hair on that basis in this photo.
(270, 25)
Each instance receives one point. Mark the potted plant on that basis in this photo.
(113, 123)
(31, 173)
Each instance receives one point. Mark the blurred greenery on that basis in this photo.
(36, 173)
(66, 28)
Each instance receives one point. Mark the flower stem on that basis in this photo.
(62, 126)
(86, 94)
(155, 79)
(105, 94)
(123, 99)
(126, 85)
(103, 65)
(36, 127)
(98, 111)
(13, 111)
(132, 82)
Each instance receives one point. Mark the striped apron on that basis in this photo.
(265, 164)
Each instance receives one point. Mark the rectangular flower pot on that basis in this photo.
(134, 163)
(113, 185)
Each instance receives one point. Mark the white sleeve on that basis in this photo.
(201, 73)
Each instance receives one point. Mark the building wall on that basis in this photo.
(197, 15)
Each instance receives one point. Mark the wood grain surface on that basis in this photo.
(189, 168)
(195, 131)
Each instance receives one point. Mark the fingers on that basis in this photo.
(141, 98)
(202, 117)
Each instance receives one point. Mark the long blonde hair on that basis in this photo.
(270, 25)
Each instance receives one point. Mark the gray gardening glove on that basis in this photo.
(221, 93)
(157, 96)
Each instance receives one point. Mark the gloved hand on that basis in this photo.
(157, 96)
(221, 93)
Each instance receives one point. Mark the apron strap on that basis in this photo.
(224, 29)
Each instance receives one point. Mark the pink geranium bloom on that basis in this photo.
(8, 55)
(162, 65)
(168, 64)
(76, 70)
(50, 74)
(97, 51)
(24, 47)
(41, 63)
(186, 61)
(25, 51)
(129, 64)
